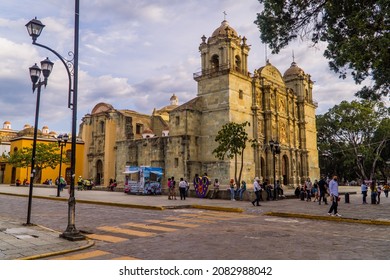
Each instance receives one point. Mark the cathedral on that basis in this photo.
(180, 138)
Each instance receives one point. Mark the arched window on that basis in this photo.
(238, 63)
(215, 62)
(101, 126)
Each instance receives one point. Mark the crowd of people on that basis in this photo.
(375, 191)
(324, 191)
(320, 191)
(205, 188)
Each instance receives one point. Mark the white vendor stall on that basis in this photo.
(143, 180)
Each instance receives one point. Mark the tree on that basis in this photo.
(232, 140)
(357, 33)
(47, 155)
(353, 131)
(384, 160)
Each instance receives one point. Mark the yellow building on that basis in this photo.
(24, 138)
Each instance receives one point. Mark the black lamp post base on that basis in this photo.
(72, 235)
(28, 224)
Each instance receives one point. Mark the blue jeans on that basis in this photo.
(231, 193)
(257, 193)
(241, 193)
(334, 205)
(364, 193)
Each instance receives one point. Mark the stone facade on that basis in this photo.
(278, 107)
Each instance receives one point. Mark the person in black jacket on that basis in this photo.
(323, 186)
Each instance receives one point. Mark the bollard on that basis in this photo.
(346, 197)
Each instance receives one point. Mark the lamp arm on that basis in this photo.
(68, 65)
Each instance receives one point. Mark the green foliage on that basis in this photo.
(46, 155)
(356, 32)
(232, 140)
(352, 129)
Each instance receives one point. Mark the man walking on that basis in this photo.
(257, 189)
(334, 195)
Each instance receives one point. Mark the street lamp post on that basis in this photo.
(35, 74)
(326, 155)
(275, 149)
(34, 28)
(62, 140)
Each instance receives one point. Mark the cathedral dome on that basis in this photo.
(102, 107)
(28, 131)
(174, 100)
(147, 133)
(294, 70)
(224, 30)
(7, 125)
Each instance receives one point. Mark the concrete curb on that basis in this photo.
(52, 254)
(147, 207)
(91, 201)
(117, 204)
(217, 208)
(329, 218)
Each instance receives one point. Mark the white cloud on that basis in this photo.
(133, 55)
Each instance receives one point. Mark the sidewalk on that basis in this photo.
(32, 242)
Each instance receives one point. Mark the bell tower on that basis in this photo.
(302, 85)
(224, 50)
(224, 93)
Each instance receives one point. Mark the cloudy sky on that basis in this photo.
(133, 54)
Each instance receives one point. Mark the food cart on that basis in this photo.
(143, 180)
